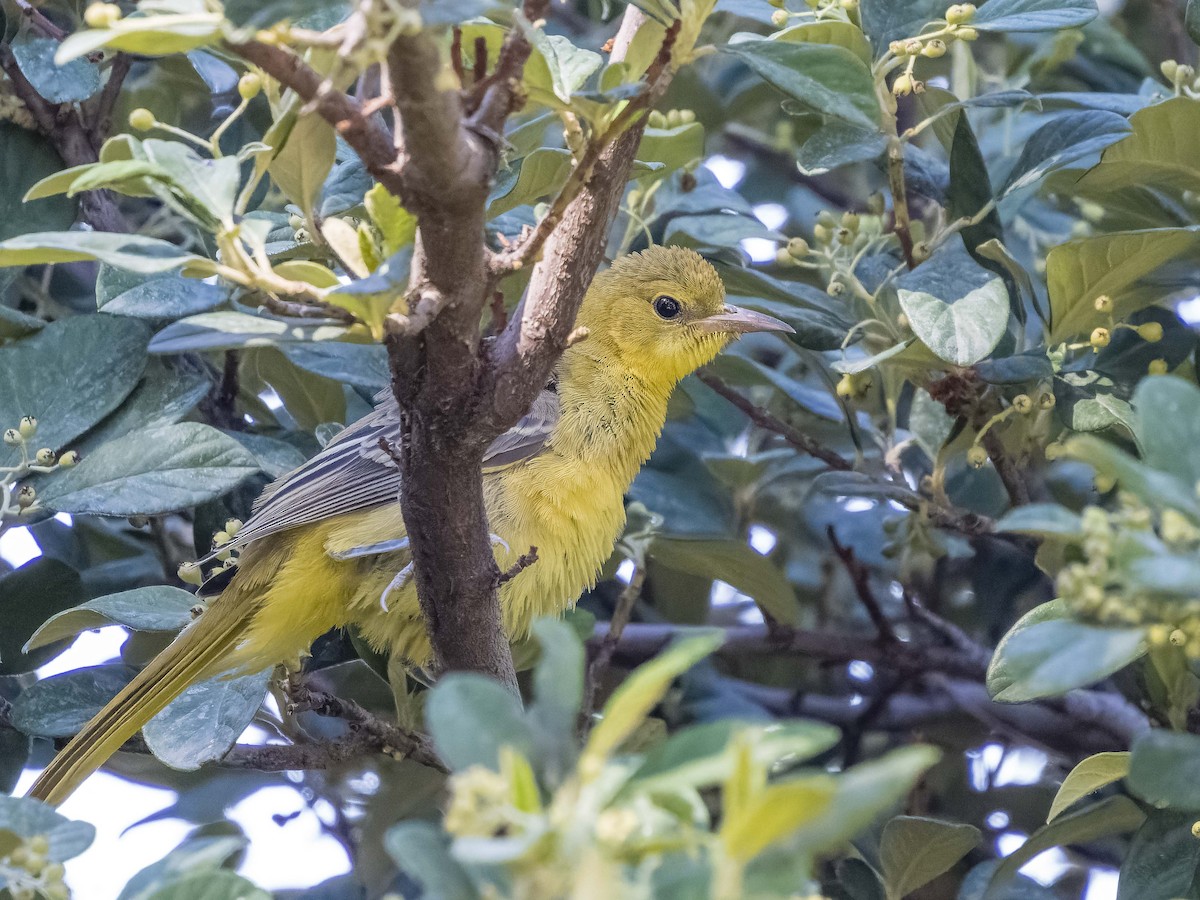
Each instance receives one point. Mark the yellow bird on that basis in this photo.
(326, 544)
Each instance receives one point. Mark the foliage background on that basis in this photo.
(818, 500)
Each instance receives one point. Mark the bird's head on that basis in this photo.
(662, 314)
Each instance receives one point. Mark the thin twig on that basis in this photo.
(860, 577)
(622, 612)
(39, 21)
(524, 561)
(764, 419)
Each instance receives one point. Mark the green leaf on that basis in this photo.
(1116, 815)
(1034, 15)
(1045, 655)
(557, 688)
(151, 473)
(914, 850)
(125, 175)
(1169, 410)
(737, 564)
(638, 694)
(962, 332)
(202, 723)
(539, 175)
(697, 757)
(237, 330)
(1163, 859)
(397, 225)
(218, 884)
(1173, 575)
(422, 851)
(1068, 137)
(25, 159)
(827, 80)
(557, 68)
(1164, 769)
(165, 296)
(60, 705)
(28, 596)
(1158, 489)
(1043, 520)
(775, 813)
(855, 365)
(829, 31)
(203, 189)
(674, 148)
(1191, 20)
(69, 376)
(1100, 412)
(71, 83)
(126, 251)
(146, 35)
(885, 21)
(168, 391)
(970, 190)
(470, 717)
(156, 608)
(309, 399)
(838, 144)
(30, 818)
(359, 365)
(1097, 771)
(1077, 272)
(1154, 155)
(863, 793)
(301, 166)
(196, 854)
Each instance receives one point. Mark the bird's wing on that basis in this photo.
(355, 472)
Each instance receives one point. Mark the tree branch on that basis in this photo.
(860, 577)
(364, 134)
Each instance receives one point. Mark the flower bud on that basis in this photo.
(849, 5)
(673, 118)
(1177, 637)
(27, 426)
(844, 236)
(1150, 331)
(835, 288)
(687, 116)
(783, 258)
(189, 573)
(1100, 338)
(221, 537)
(896, 48)
(846, 387)
(141, 119)
(825, 217)
(779, 18)
(1185, 73)
(1157, 367)
(934, 49)
(44, 457)
(68, 459)
(921, 251)
(851, 220)
(977, 457)
(1023, 404)
(960, 13)
(102, 15)
(656, 119)
(798, 248)
(1103, 304)
(966, 34)
(1169, 69)
(13, 437)
(233, 526)
(249, 85)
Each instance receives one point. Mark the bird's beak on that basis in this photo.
(736, 320)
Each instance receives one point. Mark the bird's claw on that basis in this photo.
(402, 578)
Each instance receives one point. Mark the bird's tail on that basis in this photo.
(201, 650)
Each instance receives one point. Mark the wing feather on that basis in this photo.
(354, 472)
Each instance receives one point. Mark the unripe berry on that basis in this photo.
(13, 437)
(673, 118)
(1169, 68)
(960, 13)
(977, 457)
(934, 49)
(836, 288)
(221, 537)
(1157, 367)
(903, 85)
(851, 220)
(921, 251)
(822, 233)
(27, 426)
(1100, 338)
(102, 15)
(249, 85)
(912, 47)
(1046, 400)
(845, 236)
(846, 388)
(896, 48)
(189, 573)
(44, 457)
(656, 119)
(141, 119)
(687, 116)
(825, 217)
(1103, 304)
(779, 18)
(233, 526)
(1151, 332)
(1185, 73)
(966, 34)
(38, 844)
(26, 496)
(68, 459)
(1023, 404)
(798, 248)
(783, 258)
(849, 5)
(1178, 638)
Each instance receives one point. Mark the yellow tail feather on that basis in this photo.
(201, 650)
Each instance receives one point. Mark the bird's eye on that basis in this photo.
(667, 307)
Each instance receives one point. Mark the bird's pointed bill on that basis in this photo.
(736, 320)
